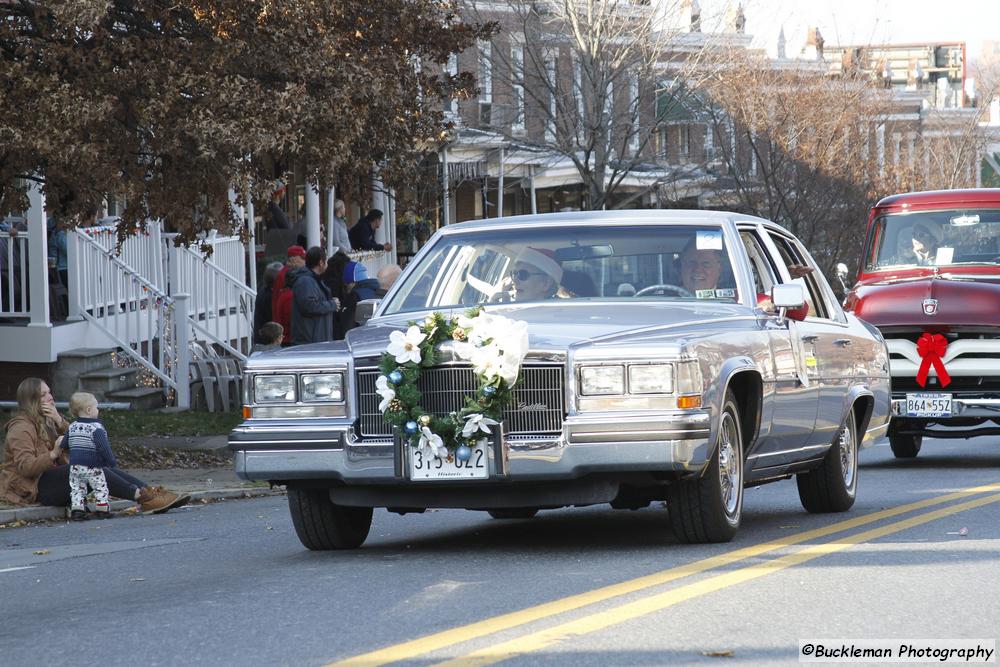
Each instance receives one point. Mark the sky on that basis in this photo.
(868, 21)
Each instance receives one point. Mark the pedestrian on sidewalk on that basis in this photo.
(36, 470)
(89, 454)
(313, 305)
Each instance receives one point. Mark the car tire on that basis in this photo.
(905, 446)
(513, 512)
(322, 525)
(709, 508)
(833, 486)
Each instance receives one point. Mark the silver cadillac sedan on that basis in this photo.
(675, 356)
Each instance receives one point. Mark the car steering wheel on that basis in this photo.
(664, 288)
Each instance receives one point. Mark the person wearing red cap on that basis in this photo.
(281, 304)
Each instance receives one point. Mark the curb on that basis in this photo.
(43, 513)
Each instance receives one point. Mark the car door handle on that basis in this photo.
(810, 338)
(842, 342)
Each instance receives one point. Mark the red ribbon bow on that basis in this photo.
(931, 348)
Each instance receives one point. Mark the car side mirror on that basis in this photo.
(790, 300)
(365, 310)
(842, 271)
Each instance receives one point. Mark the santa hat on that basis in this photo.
(544, 260)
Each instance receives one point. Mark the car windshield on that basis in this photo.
(937, 238)
(645, 262)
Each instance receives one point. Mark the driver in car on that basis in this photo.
(700, 271)
(535, 276)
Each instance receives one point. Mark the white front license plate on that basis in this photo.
(928, 405)
(423, 467)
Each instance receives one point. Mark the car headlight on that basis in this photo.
(689, 380)
(602, 380)
(323, 387)
(274, 388)
(650, 379)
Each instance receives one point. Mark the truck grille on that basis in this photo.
(537, 407)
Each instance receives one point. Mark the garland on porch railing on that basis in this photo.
(494, 345)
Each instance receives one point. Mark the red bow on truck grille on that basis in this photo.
(931, 348)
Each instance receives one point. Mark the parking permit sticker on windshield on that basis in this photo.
(704, 294)
(725, 293)
(708, 240)
(944, 255)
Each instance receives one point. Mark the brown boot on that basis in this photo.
(156, 500)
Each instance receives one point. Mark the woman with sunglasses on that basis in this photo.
(535, 275)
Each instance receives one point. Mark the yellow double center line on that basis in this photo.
(624, 612)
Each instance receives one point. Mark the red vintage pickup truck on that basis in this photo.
(929, 279)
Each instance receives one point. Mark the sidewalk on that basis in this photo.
(201, 482)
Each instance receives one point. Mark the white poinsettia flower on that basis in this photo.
(387, 393)
(477, 422)
(432, 444)
(406, 347)
(486, 361)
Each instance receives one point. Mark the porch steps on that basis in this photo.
(93, 370)
(140, 398)
(107, 380)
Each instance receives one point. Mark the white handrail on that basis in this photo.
(128, 308)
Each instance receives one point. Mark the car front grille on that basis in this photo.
(537, 406)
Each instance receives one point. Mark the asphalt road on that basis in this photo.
(229, 583)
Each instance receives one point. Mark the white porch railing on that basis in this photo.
(141, 319)
(13, 275)
(221, 305)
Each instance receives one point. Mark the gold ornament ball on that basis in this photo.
(425, 420)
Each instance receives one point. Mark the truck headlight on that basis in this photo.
(274, 388)
(650, 379)
(602, 380)
(323, 387)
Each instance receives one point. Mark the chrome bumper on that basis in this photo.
(623, 443)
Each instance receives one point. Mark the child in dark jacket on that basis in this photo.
(89, 453)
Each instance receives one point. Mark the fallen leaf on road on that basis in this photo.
(137, 579)
(725, 653)
(41, 552)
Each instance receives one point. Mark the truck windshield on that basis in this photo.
(936, 238)
(645, 262)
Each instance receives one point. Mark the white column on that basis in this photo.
(38, 253)
(252, 243)
(445, 208)
(378, 201)
(182, 345)
(880, 149)
(500, 187)
(312, 214)
(331, 197)
(391, 224)
(534, 197)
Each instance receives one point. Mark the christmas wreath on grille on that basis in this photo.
(494, 345)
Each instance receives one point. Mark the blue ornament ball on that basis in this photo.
(395, 377)
(489, 390)
(463, 453)
(411, 427)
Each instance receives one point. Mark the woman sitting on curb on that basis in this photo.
(36, 470)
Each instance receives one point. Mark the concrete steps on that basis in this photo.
(140, 398)
(93, 370)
